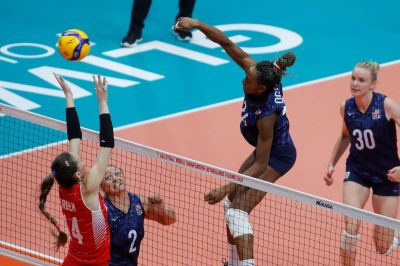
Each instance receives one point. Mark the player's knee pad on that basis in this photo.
(393, 246)
(349, 242)
(238, 222)
(248, 262)
(227, 204)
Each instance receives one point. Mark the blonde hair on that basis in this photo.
(372, 66)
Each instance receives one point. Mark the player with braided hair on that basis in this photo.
(79, 187)
(265, 126)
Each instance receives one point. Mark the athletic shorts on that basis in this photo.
(282, 158)
(69, 261)
(380, 186)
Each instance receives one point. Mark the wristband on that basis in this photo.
(106, 131)
(73, 126)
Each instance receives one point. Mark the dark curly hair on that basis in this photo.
(270, 73)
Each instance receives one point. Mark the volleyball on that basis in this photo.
(74, 44)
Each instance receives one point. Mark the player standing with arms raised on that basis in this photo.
(79, 187)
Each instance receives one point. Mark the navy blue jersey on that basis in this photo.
(373, 149)
(127, 232)
(253, 110)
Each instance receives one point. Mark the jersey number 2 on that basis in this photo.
(132, 234)
(364, 139)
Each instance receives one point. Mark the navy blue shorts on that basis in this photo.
(282, 158)
(380, 186)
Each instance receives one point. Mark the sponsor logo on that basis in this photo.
(139, 210)
(324, 204)
(200, 167)
(376, 114)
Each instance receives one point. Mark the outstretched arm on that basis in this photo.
(155, 210)
(73, 126)
(93, 181)
(217, 36)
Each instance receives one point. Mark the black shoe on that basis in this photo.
(131, 39)
(183, 35)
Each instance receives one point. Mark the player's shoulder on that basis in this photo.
(342, 106)
(390, 104)
(135, 198)
(109, 205)
(389, 101)
(348, 100)
(379, 95)
(379, 98)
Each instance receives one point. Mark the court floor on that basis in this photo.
(185, 98)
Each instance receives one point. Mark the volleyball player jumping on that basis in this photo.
(79, 187)
(265, 126)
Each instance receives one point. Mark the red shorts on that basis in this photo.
(69, 261)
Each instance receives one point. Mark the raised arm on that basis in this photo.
(73, 126)
(93, 180)
(217, 36)
(340, 147)
(156, 210)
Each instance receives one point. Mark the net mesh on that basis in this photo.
(286, 231)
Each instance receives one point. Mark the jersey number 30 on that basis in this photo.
(364, 139)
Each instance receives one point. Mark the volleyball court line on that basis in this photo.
(18, 252)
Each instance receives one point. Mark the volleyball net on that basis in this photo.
(290, 227)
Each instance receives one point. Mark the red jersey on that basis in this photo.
(89, 231)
